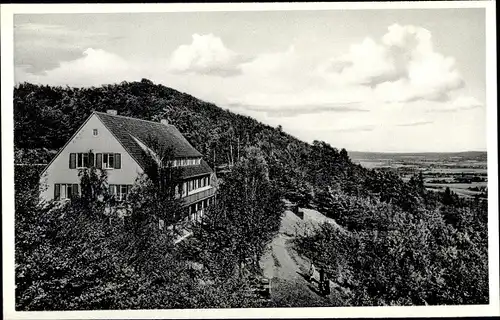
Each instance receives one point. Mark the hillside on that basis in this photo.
(45, 117)
(398, 243)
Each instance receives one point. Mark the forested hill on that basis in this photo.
(399, 244)
(46, 117)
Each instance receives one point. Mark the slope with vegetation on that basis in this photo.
(402, 244)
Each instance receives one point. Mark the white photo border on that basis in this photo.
(7, 78)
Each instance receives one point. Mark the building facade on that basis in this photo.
(119, 145)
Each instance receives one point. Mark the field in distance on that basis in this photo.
(465, 173)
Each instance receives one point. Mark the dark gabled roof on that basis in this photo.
(125, 129)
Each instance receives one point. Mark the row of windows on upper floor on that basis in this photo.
(185, 162)
(113, 161)
(120, 191)
(193, 184)
(98, 160)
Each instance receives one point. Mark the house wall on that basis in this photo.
(84, 141)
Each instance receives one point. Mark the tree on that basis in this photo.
(247, 213)
(343, 155)
(93, 184)
(157, 194)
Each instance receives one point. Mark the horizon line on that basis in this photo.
(416, 152)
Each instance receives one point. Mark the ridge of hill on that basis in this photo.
(45, 117)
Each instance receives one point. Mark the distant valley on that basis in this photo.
(465, 173)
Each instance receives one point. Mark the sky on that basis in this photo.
(407, 80)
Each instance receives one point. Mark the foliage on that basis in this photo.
(403, 258)
(397, 244)
(93, 184)
(244, 219)
(74, 256)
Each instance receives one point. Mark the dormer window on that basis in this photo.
(95, 132)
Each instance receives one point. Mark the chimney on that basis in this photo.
(164, 121)
(111, 112)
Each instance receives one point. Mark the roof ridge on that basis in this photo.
(132, 118)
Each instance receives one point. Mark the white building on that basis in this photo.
(118, 145)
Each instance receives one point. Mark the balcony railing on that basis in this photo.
(198, 196)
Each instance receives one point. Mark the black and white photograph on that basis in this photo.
(247, 160)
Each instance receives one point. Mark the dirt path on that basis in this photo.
(280, 263)
(285, 267)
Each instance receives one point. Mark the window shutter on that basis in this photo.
(129, 187)
(75, 190)
(91, 160)
(118, 161)
(72, 160)
(98, 160)
(57, 191)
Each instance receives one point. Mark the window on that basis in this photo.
(110, 160)
(123, 191)
(65, 191)
(120, 191)
(81, 160)
(95, 132)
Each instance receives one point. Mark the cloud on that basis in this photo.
(95, 67)
(460, 103)
(295, 110)
(206, 55)
(371, 127)
(286, 103)
(39, 47)
(367, 63)
(363, 128)
(415, 124)
(53, 30)
(402, 67)
(466, 102)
